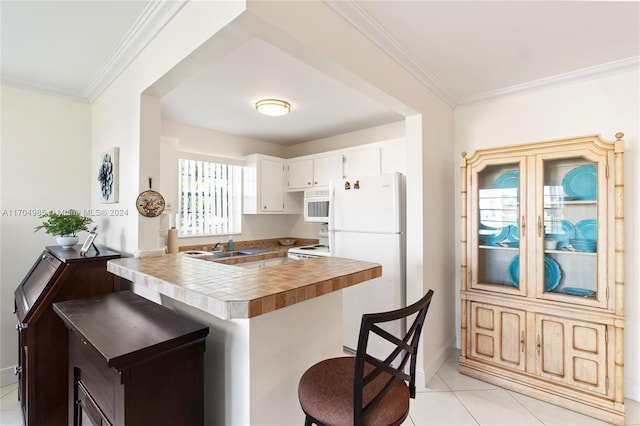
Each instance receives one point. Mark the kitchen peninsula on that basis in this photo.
(267, 326)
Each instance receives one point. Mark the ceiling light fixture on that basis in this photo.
(273, 107)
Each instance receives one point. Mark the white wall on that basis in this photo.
(346, 140)
(207, 141)
(603, 106)
(123, 117)
(46, 165)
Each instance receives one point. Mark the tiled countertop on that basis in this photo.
(231, 292)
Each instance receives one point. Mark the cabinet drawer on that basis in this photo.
(88, 413)
(91, 369)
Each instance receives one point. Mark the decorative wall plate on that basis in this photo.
(150, 203)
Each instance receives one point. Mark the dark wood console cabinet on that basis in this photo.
(58, 274)
(133, 362)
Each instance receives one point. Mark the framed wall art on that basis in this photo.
(108, 176)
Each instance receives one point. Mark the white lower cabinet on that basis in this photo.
(257, 264)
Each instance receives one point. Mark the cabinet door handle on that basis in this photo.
(522, 341)
(538, 344)
(539, 226)
(523, 226)
(17, 370)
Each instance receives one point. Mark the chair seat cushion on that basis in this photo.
(325, 392)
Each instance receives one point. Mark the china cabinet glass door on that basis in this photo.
(568, 230)
(498, 233)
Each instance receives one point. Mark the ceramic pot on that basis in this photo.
(67, 242)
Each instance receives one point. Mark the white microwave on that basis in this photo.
(316, 205)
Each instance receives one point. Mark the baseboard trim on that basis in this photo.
(7, 376)
(424, 375)
(632, 390)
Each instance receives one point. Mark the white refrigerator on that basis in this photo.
(366, 222)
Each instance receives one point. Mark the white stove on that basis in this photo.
(307, 252)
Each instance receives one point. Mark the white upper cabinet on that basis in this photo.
(264, 186)
(300, 175)
(271, 174)
(326, 168)
(361, 162)
(319, 169)
(311, 172)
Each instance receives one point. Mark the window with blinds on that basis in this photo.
(210, 198)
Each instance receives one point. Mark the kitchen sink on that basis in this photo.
(223, 254)
(195, 253)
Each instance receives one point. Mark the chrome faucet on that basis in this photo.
(218, 247)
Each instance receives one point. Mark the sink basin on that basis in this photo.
(195, 253)
(243, 252)
(254, 250)
(223, 254)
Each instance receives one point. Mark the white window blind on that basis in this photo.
(210, 198)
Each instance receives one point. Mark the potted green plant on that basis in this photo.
(64, 226)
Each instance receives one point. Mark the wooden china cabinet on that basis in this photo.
(542, 289)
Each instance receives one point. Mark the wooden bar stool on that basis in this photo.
(364, 390)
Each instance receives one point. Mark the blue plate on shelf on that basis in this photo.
(587, 229)
(575, 291)
(514, 270)
(492, 236)
(552, 272)
(514, 233)
(562, 232)
(510, 179)
(581, 182)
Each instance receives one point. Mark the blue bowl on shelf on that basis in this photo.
(584, 245)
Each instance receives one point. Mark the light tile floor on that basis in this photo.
(455, 399)
(450, 399)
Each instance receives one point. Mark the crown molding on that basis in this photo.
(364, 22)
(43, 89)
(152, 19)
(556, 80)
